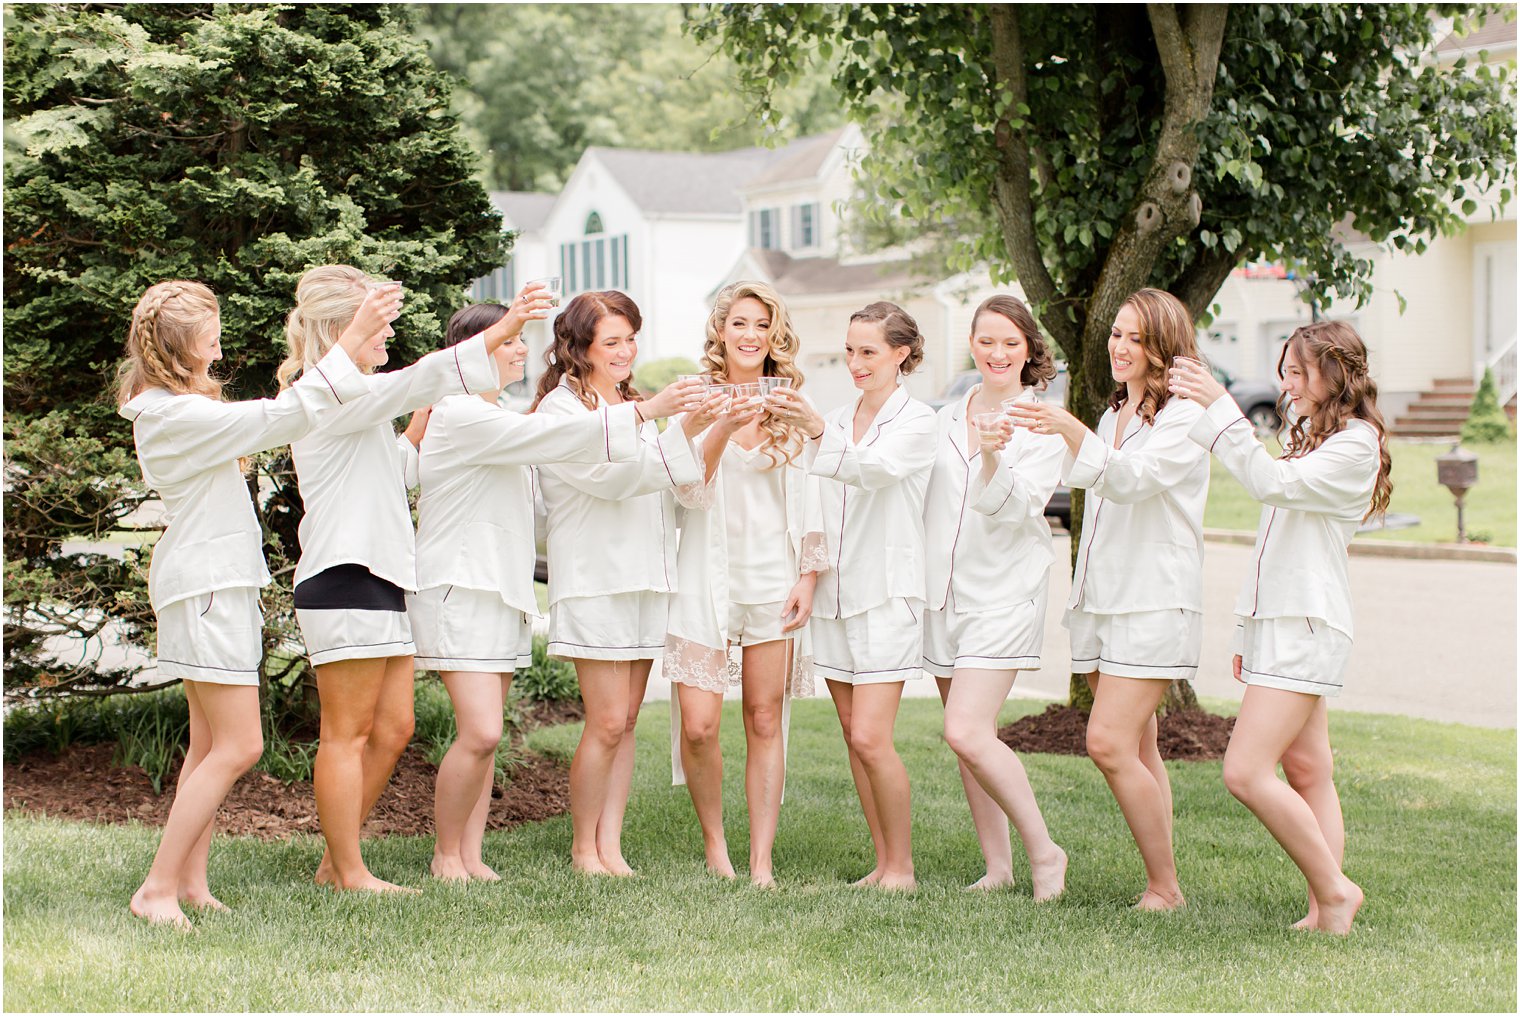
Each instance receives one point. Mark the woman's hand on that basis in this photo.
(994, 441)
(676, 397)
(1193, 381)
(709, 413)
(532, 304)
(799, 603)
(1236, 668)
(380, 306)
(1045, 418)
(788, 406)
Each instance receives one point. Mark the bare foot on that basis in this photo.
(1154, 900)
(201, 899)
(1336, 915)
(481, 872)
(1049, 876)
(718, 862)
(588, 864)
(1309, 920)
(157, 909)
(615, 865)
(449, 869)
(371, 884)
(897, 883)
(870, 879)
(989, 882)
(762, 880)
(326, 873)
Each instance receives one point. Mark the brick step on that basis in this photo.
(1447, 398)
(1449, 383)
(1429, 412)
(1401, 428)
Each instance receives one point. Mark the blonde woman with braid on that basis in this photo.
(1137, 588)
(1295, 607)
(208, 567)
(357, 549)
(749, 559)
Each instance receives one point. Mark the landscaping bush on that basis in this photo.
(1488, 422)
(548, 679)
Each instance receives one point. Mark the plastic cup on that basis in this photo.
(987, 423)
(770, 384)
(554, 284)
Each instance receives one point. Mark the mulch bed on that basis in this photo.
(83, 784)
(1188, 735)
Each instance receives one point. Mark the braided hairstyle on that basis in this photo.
(780, 441)
(899, 328)
(1340, 356)
(169, 319)
(1166, 332)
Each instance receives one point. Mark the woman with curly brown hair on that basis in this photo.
(1137, 588)
(748, 563)
(612, 548)
(989, 557)
(1295, 606)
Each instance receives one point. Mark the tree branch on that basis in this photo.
(1197, 286)
(1011, 188)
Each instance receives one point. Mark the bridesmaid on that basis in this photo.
(612, 541)
(989, 558)
(874, 456)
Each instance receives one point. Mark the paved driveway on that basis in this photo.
(1435, 639)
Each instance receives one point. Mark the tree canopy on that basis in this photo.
(538, 83)
(235, 145)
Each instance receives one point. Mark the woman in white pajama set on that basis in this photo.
(1137, 587)
(874, 457)
(989, 557)
(470, 614)
(358, 553)
(749, 556)
(1295, 605)
(612, 556)
(208, 567)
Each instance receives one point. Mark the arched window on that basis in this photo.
(593, 223)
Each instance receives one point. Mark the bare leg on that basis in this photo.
(194, 889)
(988, 819)
(1310, 769)
(609, 828)
(971, 729)
(366, 723)
(875, 715)
(604, 691)
(1150, 757)
(764, 675)
(466, 769)
(231, 715)
(843, 696)
(472, 844)
(1270, 721)
(1122, 708)
(702, 758)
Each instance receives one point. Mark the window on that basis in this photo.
(765, 228)
(594, 223)
(594, 263)
(805, 226)
(500, 286)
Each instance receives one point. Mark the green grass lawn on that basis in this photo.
(1490, 505)
(1430, 808)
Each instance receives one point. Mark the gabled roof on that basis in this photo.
(809, 276)
(709, 183)
(1496, 32)
(801, 160)
(524, 210)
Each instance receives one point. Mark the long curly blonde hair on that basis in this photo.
(782, 441)
(169, 318)
(1166, 332)
(1340, 356)
(327, 298)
